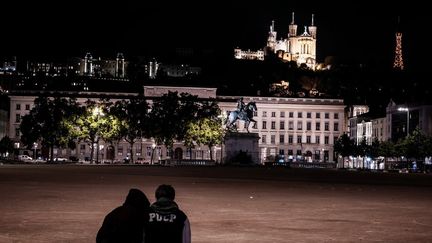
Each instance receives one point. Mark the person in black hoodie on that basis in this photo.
(125, 224)
(166, 222)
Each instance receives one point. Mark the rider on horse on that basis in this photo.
(240, 104)
(244, 112)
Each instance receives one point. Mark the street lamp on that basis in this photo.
(35, 145)
(407, 111)
(97, 112)
(153, 148)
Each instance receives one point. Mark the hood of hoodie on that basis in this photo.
(164, 205)
(137, 199)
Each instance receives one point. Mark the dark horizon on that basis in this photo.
(361, 32)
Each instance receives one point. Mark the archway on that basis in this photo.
(110, 153)
(308, 156)
(178, 153)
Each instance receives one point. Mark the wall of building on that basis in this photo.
(4, 118)
(297, 128)
(282, 124)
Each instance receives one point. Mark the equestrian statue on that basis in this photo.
(243, 112)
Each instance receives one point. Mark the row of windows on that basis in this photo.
(300, 125)
(18, 107)
(299, 139)
(299, 152)
(300, 114)
(138, 149)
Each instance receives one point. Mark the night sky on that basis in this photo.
(362, 32)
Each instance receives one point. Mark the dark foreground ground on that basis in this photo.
(51, 203)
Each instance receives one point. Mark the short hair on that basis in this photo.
(166, 191)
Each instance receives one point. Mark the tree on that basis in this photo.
(364, 150)
(204, 131)
(169, 117)
(416, 145)
(386, 149)
(344, 146)
(6, 147)
(46, 123)
(95, 123)
(133, 119)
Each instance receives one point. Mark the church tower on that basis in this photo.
(271, 40)
(312, 28)
(292, 27)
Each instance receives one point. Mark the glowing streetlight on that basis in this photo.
(97, 112)
(35, 145)
(405, 109)
(153, 148)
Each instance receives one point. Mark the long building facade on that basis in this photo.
(295, 129)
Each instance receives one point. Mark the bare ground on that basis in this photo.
(50, 203)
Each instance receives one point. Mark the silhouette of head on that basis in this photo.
(166, 191)
(137, 198)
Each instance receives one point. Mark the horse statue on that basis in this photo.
(245, 114)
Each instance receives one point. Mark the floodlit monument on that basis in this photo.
(241, 147)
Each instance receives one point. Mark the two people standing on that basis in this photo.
(138, 221)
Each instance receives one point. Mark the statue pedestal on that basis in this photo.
(241, 148)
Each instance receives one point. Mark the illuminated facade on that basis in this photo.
(298, 129)
(89, 66)
(249, 55)
(298, 48)
(3, 122)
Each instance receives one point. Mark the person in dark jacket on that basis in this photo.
(125, 224)
(166, 222)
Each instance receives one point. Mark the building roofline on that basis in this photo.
(283, 100)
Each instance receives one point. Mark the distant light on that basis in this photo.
(402, 109)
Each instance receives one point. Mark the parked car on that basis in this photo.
(140, 160)
(60, 159)
(25, 158)
(39, 160)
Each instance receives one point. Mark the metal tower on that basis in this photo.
(398, 60)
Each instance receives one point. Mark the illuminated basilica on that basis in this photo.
(299, 48)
